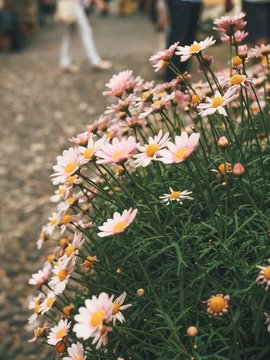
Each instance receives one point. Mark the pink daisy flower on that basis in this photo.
(118, 223)
(58, 332)
(89, 151)
(120, 83)
(81, 139)
(101, 336)
(75, 352)
(180, 150)
(72, 248)
(230, 24)
(41, 276)
(66, 166)
(185, 52)
(218, 102)
(118, 306)
(151, 150)
(162, 58)
(239, 36)
(91, 317)
(118, 151)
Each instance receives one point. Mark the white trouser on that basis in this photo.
(86, 38)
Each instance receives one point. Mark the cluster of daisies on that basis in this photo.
(149, 126)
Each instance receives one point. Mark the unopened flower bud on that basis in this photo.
(207, 60)
(223, 142)
(140, 292)
(60, 347)
(242, 51)
(237, 61)
(192, 331)
(238, 169)
(67, 310)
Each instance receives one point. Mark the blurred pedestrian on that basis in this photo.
(184, 18)
(159, 15)
(258, 20)
(86, 35)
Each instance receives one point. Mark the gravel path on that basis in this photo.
(40, 109)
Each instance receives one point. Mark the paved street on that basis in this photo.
(40, 109)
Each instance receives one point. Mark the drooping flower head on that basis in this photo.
(180, 150)
(118, 223)
(230, 24)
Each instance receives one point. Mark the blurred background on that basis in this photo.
(41, 105)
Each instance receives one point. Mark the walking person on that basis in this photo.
(86, 35)
(258, 21)
(184, 18)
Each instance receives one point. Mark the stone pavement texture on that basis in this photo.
(40, 109)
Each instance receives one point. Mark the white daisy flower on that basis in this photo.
(177, 196)
(62, 273)
(218, 102)
(117, 307)
(47, 303)
(150, 151)
(185, 52)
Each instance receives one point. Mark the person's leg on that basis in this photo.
(184, 16)
(65, 59)
(86, 35)
(257, 22)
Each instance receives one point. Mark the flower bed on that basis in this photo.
(158, 248)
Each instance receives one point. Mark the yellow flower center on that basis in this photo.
(61, 191)
(70, 250)
(63, 241)
(195, 48)
(116, 308)
(195, 99)
(60, 333)
(89, 261)
(217, 304)
(78, 358)
(118, 154)
(264, 60)
(70, 200)
(70, 168)
(217, 101)
(237, 79)
(151, 149)
(71, 179)
(50, 302)
(88, 153)
(174, 195)
(53, 221)
(67, 309)
(66, 218)
(266, 273)
(237, 61)
(62, 274)
(37, 307)
(97, 318)
(157, 104)
(120, 226)
(224, 168)
(103, 329)
(50, 258)
(182, 153)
